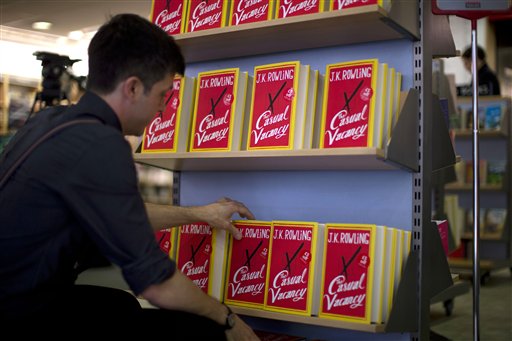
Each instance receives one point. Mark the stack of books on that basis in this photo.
(336, 271)
(285, 105)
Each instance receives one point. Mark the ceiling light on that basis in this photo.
(41, 25)
(76, 35)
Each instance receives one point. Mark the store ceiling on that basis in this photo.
(67, 15)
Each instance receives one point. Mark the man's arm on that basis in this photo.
(180, 293)
(217, 215)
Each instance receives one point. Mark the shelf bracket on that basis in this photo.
(401, 149)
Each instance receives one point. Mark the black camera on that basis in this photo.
(56, 76)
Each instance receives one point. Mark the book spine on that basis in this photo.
(398, 259)
(318, 274)
(388, 125)
(379, 109)
(317, 122)
(378, 274)
(389, 272)
(396, 97)
(240, 113)
(186, 101)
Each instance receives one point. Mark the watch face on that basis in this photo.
(230, 321)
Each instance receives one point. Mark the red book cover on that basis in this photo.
(218, 110)
(274, 99)
(169, 15)
(247, 264)
(348, 272)
(166, 240)
(352, 105)
(443, 228)
(248, 11)
(204, 15)
(282, 106)
(290, 280)
(291, 8)
(168, 131)
(345, 4)
(194, 252)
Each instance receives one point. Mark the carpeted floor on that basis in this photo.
(495, 313)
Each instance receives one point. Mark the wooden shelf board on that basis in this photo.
(311, 320)
(469, 99)
(331, 28)
(485, 264)
(271, 160)
(467, 133)
(469, 187)
(486, 236)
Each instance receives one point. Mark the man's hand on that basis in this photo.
(219, 215)
(241, 331)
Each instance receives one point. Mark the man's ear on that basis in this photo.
(132, 87)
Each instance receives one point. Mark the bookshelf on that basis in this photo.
(16, 94)
(353, 185)
(494, 145)
(4, 105)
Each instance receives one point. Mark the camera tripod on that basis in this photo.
(47, 98)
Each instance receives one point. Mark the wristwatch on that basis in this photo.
(230, 319)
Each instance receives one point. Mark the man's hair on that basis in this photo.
(130, 45)
(480, 53)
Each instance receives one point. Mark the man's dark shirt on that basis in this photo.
(488, 84)
(76, 192)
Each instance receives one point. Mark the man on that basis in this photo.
(76, 193)
(488, 84)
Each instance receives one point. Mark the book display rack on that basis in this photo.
(352, 185)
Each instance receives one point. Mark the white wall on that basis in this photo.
(461, 31)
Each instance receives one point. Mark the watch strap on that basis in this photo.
(230, 323)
